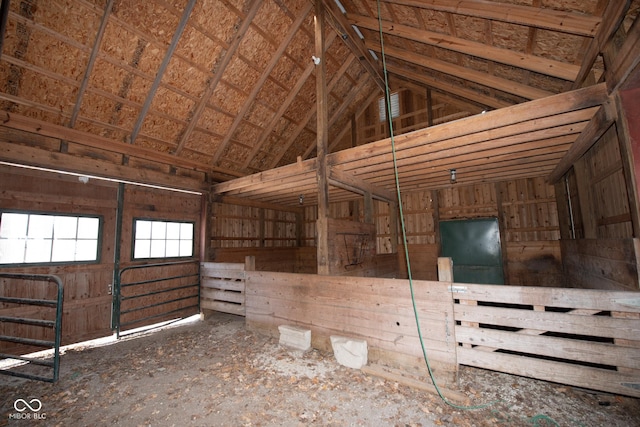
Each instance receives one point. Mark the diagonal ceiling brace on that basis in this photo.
(337, 20)
(160, 74)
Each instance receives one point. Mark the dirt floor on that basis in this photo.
(217, 373)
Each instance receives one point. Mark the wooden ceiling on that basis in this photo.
(228, 86)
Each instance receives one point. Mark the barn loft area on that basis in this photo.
(313, 163)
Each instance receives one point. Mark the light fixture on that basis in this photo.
(452, 175)
(301, 199)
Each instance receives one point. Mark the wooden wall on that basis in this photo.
(269, 233)
(597, 210)
(417, 111)
(375, 309)
(528, 219)
(526, 210)
(87, 287)
(162, 205)
(87, 302)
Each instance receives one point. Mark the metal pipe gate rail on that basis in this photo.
(56, 324)
(119, 298)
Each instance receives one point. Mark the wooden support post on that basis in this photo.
(354, 131)
(429, 108)
(435, 206)
(500, 188)
(299, 228)
(368, 208)
(393, 226)
(322, 141)
(445, 269)
(261, 227)
(205, 227)
(587, 207)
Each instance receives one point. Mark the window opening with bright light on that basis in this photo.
(162, 239)
(41, 238)
(395, 106)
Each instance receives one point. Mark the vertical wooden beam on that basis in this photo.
(587, 207)
(501, 228)
(261, 227)
(445, 269)
(368, 208)
(299, 228)
(393, 226)
(354, 131)
(205, 227)
(429, 108)
(322, 143)
(435, 206)
(250, 263)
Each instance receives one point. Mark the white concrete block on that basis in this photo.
(295, 337)
(349, 352)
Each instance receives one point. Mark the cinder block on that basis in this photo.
(295, 337)
(349, 352)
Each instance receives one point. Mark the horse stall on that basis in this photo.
(205, 206)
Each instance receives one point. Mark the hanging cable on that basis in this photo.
(403, 229)
(387, 98)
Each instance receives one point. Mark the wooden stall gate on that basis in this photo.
(584, 338)
(223, 285)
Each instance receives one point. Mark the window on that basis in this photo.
(395, 106)
(29, 238)
(162, 239)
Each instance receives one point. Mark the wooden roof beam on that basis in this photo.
(540, 108)
(524, 61)
(349, 182)
(549, 19)
(293, 29)
(466, 73)
(626, 61)
(90, 64)
(217, 76)
(39, 127)
(611, 20)
(161, 70)
(462, 92)
(285, 105)
(597, 126)
(338, 21)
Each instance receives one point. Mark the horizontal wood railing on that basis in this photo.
(579, 337)
(585, 338)
(222, 286)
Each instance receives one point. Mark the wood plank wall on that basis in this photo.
(375, 309)
(413, 116)
(528, 220)
(87, 298)
(599, 246)
(526, 209)
(87, 302)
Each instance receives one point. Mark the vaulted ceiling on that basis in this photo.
(228, 86)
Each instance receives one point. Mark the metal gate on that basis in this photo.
(474, 246)
(145, 295)
(31, 319)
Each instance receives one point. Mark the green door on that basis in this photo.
(474, 247)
